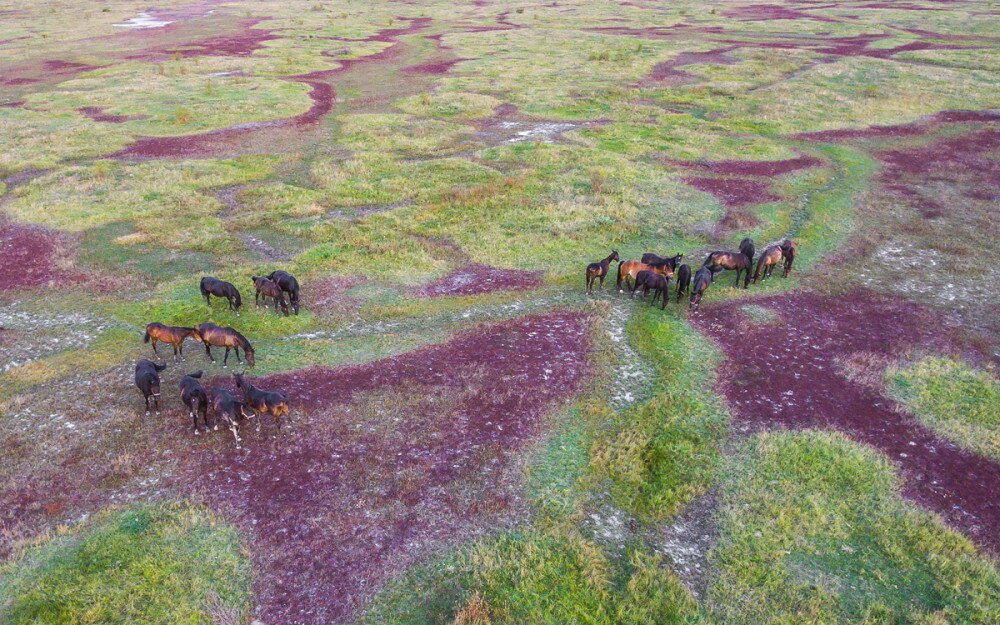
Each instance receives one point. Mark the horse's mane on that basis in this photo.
(244, 343)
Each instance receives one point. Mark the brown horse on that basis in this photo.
(598, 271)
(683, 280)
(174, 335)
(267, 288)
(263, 402)
(770, 257)
(147, 380)
(732, 261)
(193, 396)
(213, 286)
(232, 413)
(229, 338)
(747, 249)
(650, 258)
(628, 270)
(788, 251)
(702, 279)
(288, 284)
(659, 284)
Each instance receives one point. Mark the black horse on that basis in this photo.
(683, 280)
(147, 380)
(288, 284)
(747, 248)
(194, 397)
(702, 279)
(213, 286)
(671, 261)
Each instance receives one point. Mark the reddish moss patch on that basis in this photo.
(244, 42)
(98, 115)
(751, 168)
(433, 67)
(772, 12)
(29, 255)
(735, 192)
(667, 72)
(476, 279)
(784, 375)
(898, 131)
(42, 71)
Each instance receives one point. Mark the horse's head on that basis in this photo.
(249, 355)
(614, 255)
(195, 334)
(240, 381)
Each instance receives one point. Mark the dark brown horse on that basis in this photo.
(267, 288)
(683, 280)
(598, 271)
(628, 270)
(147, 380)
(213, 286)
(788, 251)
(289, 285)
(732, 261)
(221, 336)
(650, 280)
(260, 401)
(650, 258)
(702, 279)
(232, 413)
(193, 396)
(769, 258)
(747, 249)
(174, 335)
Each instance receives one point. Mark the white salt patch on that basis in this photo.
(143, 21)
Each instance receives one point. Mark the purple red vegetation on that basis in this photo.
(433, 67)
(667, 71)
(476, 279)
(791, 382)
(751, 168)
(735, 192)
(30, 256)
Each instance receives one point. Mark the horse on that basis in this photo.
(747, 249)
(788, 252)
(273, 403)
(683, 280)
(629, 269)
(267, 288)
(231, 412)
(288, 284)
(659, 284)
(722, 260)
(702, 279)
(193, 396)
(213, 286)
(229, 338)
(147, 380)
(599, 271)
(174, 335)
(649, 258)
(770, 257)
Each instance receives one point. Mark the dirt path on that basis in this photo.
(785, 375)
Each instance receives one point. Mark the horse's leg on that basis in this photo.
(208, 299)
(146, 397)
(238, 355)
(194, 419)
(236, 434)
(602, 283)
(226, 358)
(174, 345)
(208, 350)
(156, 399)
(154, 346)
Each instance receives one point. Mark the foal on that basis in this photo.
(174, 335)
(288, 284)
(147, 380)
(683, 280)
(702, 279)
(231, 412)
(598, 271)
(213, 286)
(268, 288)
(193, 396)
(273, 403)
(738, 261)
(770, 257)
(229, 338)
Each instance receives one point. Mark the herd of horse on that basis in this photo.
(653, 273)
(223, 405)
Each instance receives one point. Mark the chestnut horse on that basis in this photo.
(732, 261)
(267, 288)
(770, 257)
(213, 286)
(229, 338)
(194, 397)
(288, 284)
(629, 269)
(702, 279)
(683, 280)
(598, 271)
(273, 403)
(788, 251)
(232, 413)
(174, 335)
(147, 380)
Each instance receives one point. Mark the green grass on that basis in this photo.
(171, 564)
(814, 530)
(953, 399)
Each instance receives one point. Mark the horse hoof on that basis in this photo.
(215, 429)
(197, 433)
(147, 413)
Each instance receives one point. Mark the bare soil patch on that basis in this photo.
(786, 375)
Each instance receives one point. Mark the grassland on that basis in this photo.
(379, 149)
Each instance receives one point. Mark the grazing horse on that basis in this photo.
(288, 284)
(229, 338)
(722, 260)
(232, 413)
(788, 251)
(267, 288)
(702, 279)
(273, 403)
(659, 284)
(147, 379)
(174, 335)
(213, 286)
(193, 396)
(598, 271)
(683, 280)
(747, 249)
(649, 258)
(629, 269)
(770, 257)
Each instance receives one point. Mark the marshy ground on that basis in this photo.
(473, 438)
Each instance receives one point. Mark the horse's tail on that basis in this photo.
(145, 338)
(618, 282)
(760, 262)
(203, 288)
